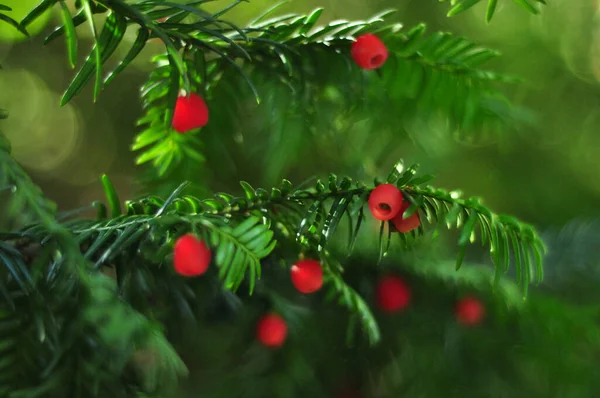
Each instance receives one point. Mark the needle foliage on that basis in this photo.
(91, 307)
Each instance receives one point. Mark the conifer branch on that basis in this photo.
(54, 279)
(244, 231)
(438, 74)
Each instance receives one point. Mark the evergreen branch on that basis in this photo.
(437, 74)
(120, 15)
(506, 236)
(463, 5)
(312, 216)
(52, 280)
(243, 231)
(240, 249)
(285, 45)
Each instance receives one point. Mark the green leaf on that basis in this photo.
(114, 203)
(174, 195)
(106, 44)
(37, 12)
(380, 244)
(286, 187)
(233, 63)
(412, 209)
(245, 226)
(76, 21)
(356, 304)
(175, 60)
(528, 6)
(14, 23)
(407, 176)
(97, 50)
(70, 35)
(240, 250)
(268, 12)
(462, 6)
(460, 257)
(537, 255)
(136, 48)
(226, 9)
(468, 228)
(336, 213)
(359, 220)
(174, 80)
(414, 35)
(395, 173)
(422, 180)
(491, 9)
(310, 21)
(248, 190)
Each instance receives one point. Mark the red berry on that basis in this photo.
(385, 202)
(392, 294)
(307, 276)
(191, 256)
(369, 52)
(470, 311)
(271, 330)
(190, 113)
(410, 223)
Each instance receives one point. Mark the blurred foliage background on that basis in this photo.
(547, 173)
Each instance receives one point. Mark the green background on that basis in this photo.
(546, 173)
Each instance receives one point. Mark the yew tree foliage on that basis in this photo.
(87, 304)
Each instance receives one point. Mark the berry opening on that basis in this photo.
(377, 60)
(385, 208)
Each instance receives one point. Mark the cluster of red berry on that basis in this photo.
(393, 295)
(191, 111)
(387, 203)
(192, 257)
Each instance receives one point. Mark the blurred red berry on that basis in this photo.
(307, 276)
(470, 311)
(393, 294)
(271, 330)
(191, 256)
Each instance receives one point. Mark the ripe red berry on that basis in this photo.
(190, 113)
(307, 276)
(369, 52)
(385, 202)
(191, 256)
(470, 311)
(410, 223)
(271, 330)
(393, 294)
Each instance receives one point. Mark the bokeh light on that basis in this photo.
(36, 119)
